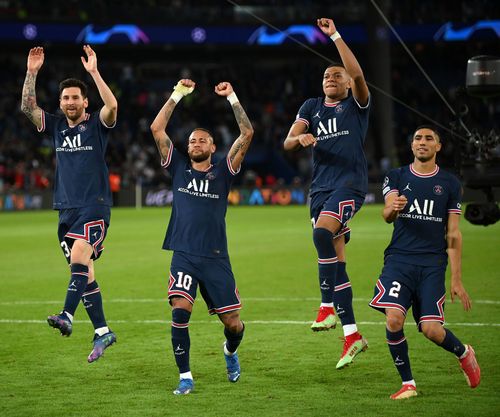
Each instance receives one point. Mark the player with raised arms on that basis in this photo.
(335, 126)
(81, 191)
(197, 231)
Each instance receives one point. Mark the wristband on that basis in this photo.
(176, 96)
(335, 36)
(232, 98)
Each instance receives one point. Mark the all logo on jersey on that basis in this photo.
(331, 127)
(201, 185)
(327, 129)
(198, 188)
(426, 208)
(421, 210)
(73, 144)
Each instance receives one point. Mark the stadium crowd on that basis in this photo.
(272, 92)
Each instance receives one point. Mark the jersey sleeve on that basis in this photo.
(102, 123)
(365, 107)
(173, 159)
(455, 199)
(305, 112)
(48, 122)
(391, 183)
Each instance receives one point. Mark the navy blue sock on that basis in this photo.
(399, 351)
(76, 287)
(92, 301)
(452, 344)
(233, 340)
(180, 338)
(327, 262)
(342, 296)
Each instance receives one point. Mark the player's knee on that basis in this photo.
(323, 239)
(181, 302)
(394, 322)
(232, 321)
(180, 316)
(433, 331)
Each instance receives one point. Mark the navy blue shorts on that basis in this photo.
(341, 204)
(213, 275)
(87, 223)
(403, 285)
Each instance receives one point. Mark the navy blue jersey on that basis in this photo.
(419, 235)
(338, 157)
(197, 223)
(82, 177)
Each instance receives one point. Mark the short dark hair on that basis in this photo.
(335, 64)
(430, 127)
(203, 130)
(73, 82)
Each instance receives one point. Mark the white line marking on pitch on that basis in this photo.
(364, 323)
(164, 300)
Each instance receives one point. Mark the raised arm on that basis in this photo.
(393, 205)
(110, 108)
(359, 87)
(454, 241)
(298, 138)
(242, 142)
(163, 142)
(28, 100)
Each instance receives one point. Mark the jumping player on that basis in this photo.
(424, 203)
(197, 231)
(335, 127)
(81, 191)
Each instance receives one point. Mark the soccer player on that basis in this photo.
(423, 201)
(81, 190)
(197, 232)
(334, 126)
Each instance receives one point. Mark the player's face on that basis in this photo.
(72, 103)
(336, 82)
(200, 146)
(425, 145)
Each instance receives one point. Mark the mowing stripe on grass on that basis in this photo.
(164, 300)
(271, 322)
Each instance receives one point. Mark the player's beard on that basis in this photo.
(199, 157)
(76, 115)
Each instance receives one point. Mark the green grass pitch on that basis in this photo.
(287, 370)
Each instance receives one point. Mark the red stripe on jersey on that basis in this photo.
(417, 174)
(230, 167)
(166, 163)
(300, 119)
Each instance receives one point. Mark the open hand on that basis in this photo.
(35, 59)
(91, 63)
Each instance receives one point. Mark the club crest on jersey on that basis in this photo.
(82, 128)
(438, 190)
(210, 176)
(339, 108)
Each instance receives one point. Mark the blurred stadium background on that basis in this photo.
(145, 47)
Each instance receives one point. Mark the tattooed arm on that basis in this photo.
(28, 101)
(242, 143)
(163, 142)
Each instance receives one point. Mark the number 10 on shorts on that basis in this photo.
(183, 281)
